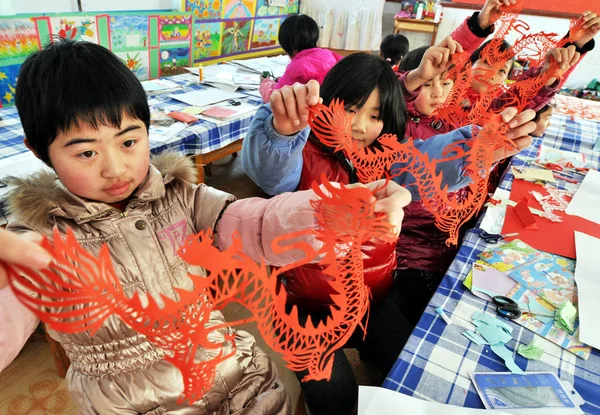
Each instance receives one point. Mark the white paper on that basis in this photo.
(586, 201)
(21, 165)
(206, 97)
(278, 3)
(587, 271)
(276, 65)
(162, 134)
(156, 85)
(379, 401)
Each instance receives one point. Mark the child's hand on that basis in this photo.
(490, 12)
(591, 25)
(520, 126)
(564, 57)
(290, 106)
(436, 60)
(20, 250)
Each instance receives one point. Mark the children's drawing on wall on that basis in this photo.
(175, 29)
(265, 33)
(204, 9)
(129, 32)
(75, 27)
(174, 61)
(207, 40)
(8, 83)
(235, 9)
(263, 9)
(235, 36)
(137, 62)
(18, 38)
(292, 7)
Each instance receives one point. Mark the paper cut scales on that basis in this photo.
(80, 291)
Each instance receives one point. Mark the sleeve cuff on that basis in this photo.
(478, 31)
(277, 139)
(588, 47)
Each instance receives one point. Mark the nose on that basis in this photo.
(437, 90)
(359, 123)
(113, 166)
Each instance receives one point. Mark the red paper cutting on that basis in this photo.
(80, 291)
(554, 237)
(525, 216)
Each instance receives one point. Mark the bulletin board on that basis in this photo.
(572, 7)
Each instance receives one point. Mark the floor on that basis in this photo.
(30, 385)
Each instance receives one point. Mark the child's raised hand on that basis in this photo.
(520, 126)
(290, 106)
(564, 57)
(20, 250)
(436, 60)
(591, 27)
(490, 12)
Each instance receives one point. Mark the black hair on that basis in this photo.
(70, 83)
(504, 46)
(355, 77)
(542, 110)
(297, 33)
(393, 48)
(412, 60)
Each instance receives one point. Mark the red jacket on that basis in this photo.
(307, 286)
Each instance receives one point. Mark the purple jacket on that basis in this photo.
(306, 65)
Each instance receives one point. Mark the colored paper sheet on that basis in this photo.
(588, 283)
(487, 279)
(530, 351)
(587, 198)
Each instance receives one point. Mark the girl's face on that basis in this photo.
(433, 94)
(495, 75)
(366, 122)
(543, 123)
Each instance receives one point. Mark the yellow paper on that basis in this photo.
(193, 110)
(532, 174)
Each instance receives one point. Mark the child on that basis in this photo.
(280, 154)
(298, 36)
(393, 48)
(86, 115)
(542, 119)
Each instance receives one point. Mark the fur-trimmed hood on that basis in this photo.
(38, 197)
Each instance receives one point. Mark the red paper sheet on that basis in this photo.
(554, 237)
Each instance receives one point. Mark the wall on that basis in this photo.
(9, 7)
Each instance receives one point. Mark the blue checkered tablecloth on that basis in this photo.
(437, 359)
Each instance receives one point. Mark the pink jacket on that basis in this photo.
(306, 65)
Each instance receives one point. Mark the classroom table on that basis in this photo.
(208, 139)
(437, 359)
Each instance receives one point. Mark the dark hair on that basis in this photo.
(297, 33)
(504, 46)
(413, 59)
(355, 77)
(542, 110)
(393, 48)
(70, 83)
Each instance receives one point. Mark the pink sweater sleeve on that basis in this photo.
(408, 95)
(266, 88)
(258, 221)
(16, 325)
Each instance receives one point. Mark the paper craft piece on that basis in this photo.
(507, 356)
(531, 351)
(587, 199)
(373, 400)
(576, 107)
(533, 174)
(488, 280)
(565, 159)
(586, 276)
(83, 290)
(206, 97)
(509, 255)
(525, 215)
(557, 200)
(556, 238)
(565, 317)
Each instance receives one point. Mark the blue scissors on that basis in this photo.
(507, 307)
(234, 103)
(494, 238)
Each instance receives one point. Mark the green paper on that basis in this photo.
(531, 351)
(468, 282)
(474, 337)
(490, 320)
(565, 317)
(506, 355)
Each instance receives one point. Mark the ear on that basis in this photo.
(29, 147)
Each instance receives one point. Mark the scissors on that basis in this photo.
(3, 184)
(507, 307)
(234, 103)
(494, 238)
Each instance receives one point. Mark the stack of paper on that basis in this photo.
(227, 77)
(587, 198)
(588, 286)
(158, 86)
(206, 97)
(275, 65)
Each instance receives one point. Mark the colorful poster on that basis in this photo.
(75, 27)
(18, 38)
(8, 83)
(292, 6)
(263, 9)
(174, 61)
(175, 29)
(235, 36)
(129, 32)
(207, 40)
(237, 9)
(265, 33)
(204, 9)
(137, 61)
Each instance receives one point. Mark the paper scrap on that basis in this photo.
(525, 215)
(587, 198)
(531, 351)
(587, 270)
(533, 174)
(488, 282)
(373, 400)
(507, 356)
(565, 316)
(193, 110)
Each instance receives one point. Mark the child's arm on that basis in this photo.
(436, 60)
(267, 85)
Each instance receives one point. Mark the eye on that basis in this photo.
(447, 83)
(502, 71)
(129, 143)
(87, 154)
(427, 84)
(352, 110)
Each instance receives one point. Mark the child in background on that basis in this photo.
(393, 48)
(542, 119)
(281, 154)
(105, 189)
(298, 36)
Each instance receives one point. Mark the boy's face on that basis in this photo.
(433, 94)
(104, 165)
(543, 123)
(366, 122)
(495, 75)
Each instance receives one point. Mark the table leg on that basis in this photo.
(434, 35)
(199, 162)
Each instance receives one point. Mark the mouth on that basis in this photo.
(118, 189)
